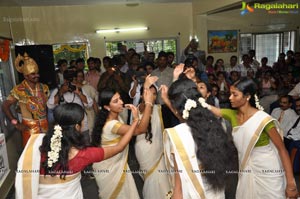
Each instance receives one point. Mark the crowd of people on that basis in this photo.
(202, 129)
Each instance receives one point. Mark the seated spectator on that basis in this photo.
(284, 114)
(224, 90)
(253, 62)
(233, 66)
(219, 66)
(263, 68)
(295, 69)
(246, 65)
(280, 66)
(268, 91)
(293, 140)
(290, 58)
(234, 76)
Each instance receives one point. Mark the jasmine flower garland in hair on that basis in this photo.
(203, 103)
(169, 195)
(187, 107)
(55, 146)
(257, 105)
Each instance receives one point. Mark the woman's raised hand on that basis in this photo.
(177, 71)
(150, 80)
(134, 111)
(148, 97)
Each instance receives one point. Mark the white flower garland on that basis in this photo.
(169, 194)
(203, 103)
(187, 107)
(55, 146)
(257, 105)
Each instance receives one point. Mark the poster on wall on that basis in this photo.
(222, 41)
(4, 167)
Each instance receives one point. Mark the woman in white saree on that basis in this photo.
(149, 153)
(198, 152)
(264, 166)
(113, 176)
(51, 164)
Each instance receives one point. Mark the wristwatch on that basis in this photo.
(14, 121)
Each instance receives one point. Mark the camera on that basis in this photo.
(140, 76)
(71, 87)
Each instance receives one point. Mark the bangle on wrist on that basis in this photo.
(149, 103)
(135, 120)
(292, 189)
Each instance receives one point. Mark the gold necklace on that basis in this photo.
(32, 92)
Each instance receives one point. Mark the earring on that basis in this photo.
(248, 98)
(108, 109)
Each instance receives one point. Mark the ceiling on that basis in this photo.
(83, 2)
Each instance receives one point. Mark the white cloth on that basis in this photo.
(229, 68)
(113, 175)
(60, 78)
(28, 174)
(288, 119)
(261, 172)
(295, 91)
(137, 97)
(90, 112)
(69, 97)
(179, 140)
(67, 190)
(124, 68)
(151, 159)
(294, 133)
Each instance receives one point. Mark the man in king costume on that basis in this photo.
(31, 96)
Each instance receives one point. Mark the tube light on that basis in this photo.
(122, 30)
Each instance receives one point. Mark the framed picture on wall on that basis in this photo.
(222, 41)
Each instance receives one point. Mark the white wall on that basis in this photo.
(63, 24)
(15, 28)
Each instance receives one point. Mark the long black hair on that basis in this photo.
(148, 134)
(214, 149)
(247, 87)
(67, 116)
(104, 100)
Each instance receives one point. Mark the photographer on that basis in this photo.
(70, 93)
(138, 80)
